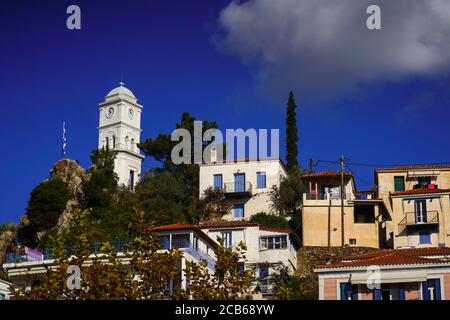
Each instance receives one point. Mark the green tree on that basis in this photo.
(287, 198)
(270, 220)
(291, 134)
(47, 201)
(213, 204)
(160, 149)
(287, 286)
(100, 187)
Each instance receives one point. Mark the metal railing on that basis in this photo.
(422, 218)
(201, 255)
(237, 187)
(328, 196)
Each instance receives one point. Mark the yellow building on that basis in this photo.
(364, 215)
(418, 199)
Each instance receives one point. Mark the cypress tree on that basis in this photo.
(291, 134)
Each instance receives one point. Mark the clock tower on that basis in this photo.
(120, 130)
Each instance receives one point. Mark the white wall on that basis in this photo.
(260, 199)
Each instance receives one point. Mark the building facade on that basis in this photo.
(120, 130)
(4, 290)
(394, 274)
(324, 205)
(247, 184)
(418, 199)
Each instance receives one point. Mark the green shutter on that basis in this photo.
(399, 183)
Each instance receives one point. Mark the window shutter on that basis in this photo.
(376, 294)
(437, 289)
(425, 292)
(401, 293)
(399, 183)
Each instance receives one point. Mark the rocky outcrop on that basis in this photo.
(6, 239)
(73, 174)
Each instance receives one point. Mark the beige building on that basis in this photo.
(247, 184)
(418, 200)
(364, 216)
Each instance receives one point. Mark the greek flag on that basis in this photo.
(63, 151)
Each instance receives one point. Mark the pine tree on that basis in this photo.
(291, 134)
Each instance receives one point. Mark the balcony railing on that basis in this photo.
(327, 196)
(237, 188)
(424, 218)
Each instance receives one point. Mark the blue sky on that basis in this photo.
(211, 58)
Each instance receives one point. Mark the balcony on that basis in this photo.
(238, 189)
(429, 218)
(327, 196)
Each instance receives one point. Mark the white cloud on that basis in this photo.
(323, 47)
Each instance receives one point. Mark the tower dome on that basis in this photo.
(121, 90)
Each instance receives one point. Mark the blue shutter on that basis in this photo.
(424, 237)
(437, 289)
(376, 294)
(238, 211)
(343, 287)
(260, 180)
(239, 182)
(355, 292)
(401, 292)
(425, 292)
(218, 181)
(263, 271)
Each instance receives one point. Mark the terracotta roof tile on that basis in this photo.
(391, 257)
(418, 191)
(325, 174)
(414, 167)
(227, 224)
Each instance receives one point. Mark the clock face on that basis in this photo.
(110, 112)
(131, 113)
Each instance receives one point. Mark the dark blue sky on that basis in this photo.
(166, 53)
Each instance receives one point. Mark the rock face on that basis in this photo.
(5, 240)
(73, 174)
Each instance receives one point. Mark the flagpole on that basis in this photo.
(63, 146)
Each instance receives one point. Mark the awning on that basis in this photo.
(379, 276)
(414, 174)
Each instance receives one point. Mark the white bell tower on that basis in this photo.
(120, 130)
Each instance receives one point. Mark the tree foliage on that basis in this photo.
(139, 270)
(287, 198)
(291, 134)
(287, 286)
(213, 204)
(270, 220)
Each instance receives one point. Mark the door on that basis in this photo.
(420, 210)
(431, 289)
(239, 182)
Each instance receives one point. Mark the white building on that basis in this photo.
(4, 290)
(267, 250)
(246, 183)
(120, 130)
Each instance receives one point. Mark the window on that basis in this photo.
(424, 237)
(273, 242)
(132, 180)
(431, 289)
(260, 180)
(2, 296)
(227, 241)
(364, 213)
(238, 211)
(165, 242)
(263, 271)
(195, 244)
(241, 267)
(239, 182)
(218, 181)
(107, 142)
(423, 182)
(352, 241)
(180, 241)
(114, 142)
(399, 183)
(420, 210)
(349, 291)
